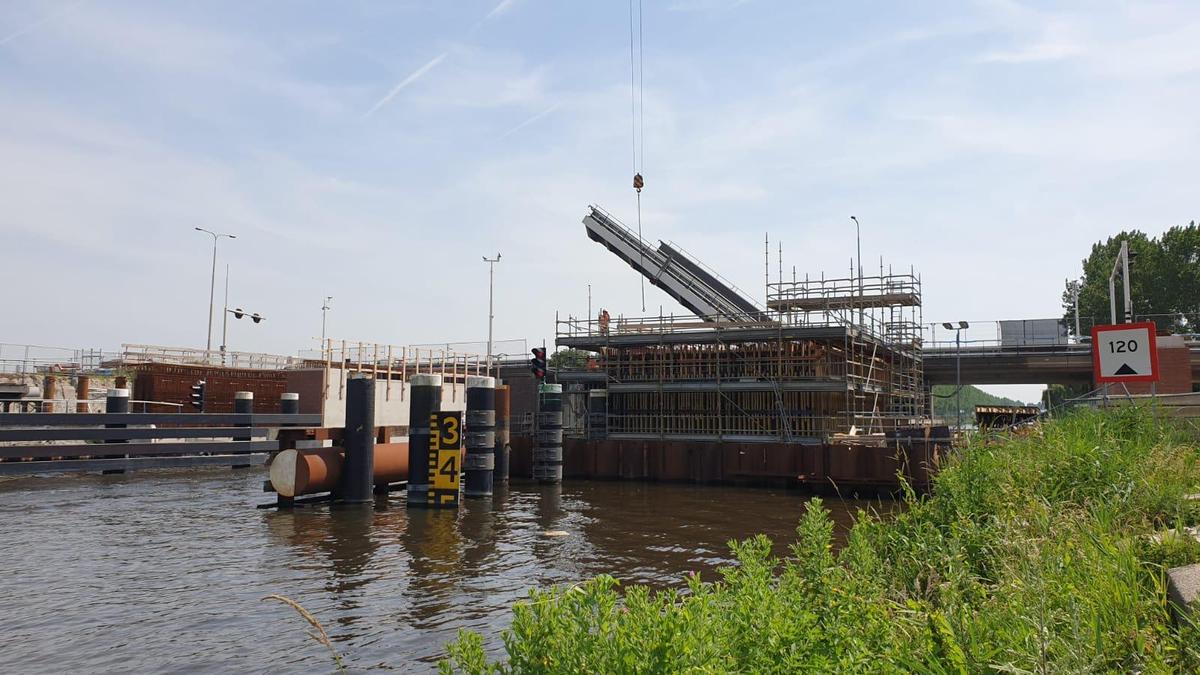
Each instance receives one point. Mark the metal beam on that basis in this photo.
(128, 464)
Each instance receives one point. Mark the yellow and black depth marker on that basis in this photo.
(445, 457)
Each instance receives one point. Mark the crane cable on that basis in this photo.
(637, 114)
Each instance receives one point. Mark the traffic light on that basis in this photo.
(198, 396)
(538, 363)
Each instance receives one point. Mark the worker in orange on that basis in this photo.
(604, 319)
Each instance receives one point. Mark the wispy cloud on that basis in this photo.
(412, 77)
(1035, 53)
(529, 121)
(499, 9)
(29, 28)
(704, 5)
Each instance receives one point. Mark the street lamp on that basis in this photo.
(858, 245)
(324, 308)
(491, 314)
(212, 287)
(962, 325)
(237, 313)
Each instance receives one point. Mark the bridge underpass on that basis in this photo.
(1050, 364)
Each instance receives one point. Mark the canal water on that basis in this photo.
(164, 571)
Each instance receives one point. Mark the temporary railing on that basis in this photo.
(132, 354)
(33, 443)
(844, 293)
(28, 359)
(53, 405)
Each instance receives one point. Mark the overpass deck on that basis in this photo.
(1050, 364)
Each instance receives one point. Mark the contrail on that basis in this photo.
(61, 11)
(499, 9)
(529, 121)
(416, 75)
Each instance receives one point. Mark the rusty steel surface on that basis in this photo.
(172, 384)
(830, 467)
(294, 473)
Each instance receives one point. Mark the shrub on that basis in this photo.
(1032, 554)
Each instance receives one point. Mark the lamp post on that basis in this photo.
(212, 287)
(858, 247)
(1073, 287)
(962, 325)
(491, 314)
(324, 308)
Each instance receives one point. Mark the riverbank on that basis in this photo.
(1034, 553)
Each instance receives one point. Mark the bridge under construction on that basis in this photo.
(824, 358)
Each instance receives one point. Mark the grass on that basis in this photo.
(1032, 555)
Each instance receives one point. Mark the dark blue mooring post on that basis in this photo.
(425, 398)
(243, 404)
(358, 471)
(547, 446)
(117, 401)
(480, 461)
(289, 403)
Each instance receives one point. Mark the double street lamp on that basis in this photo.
(962, 325)
(212, 288)
(237, 313)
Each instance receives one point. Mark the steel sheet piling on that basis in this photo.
(425, 399)
(547, 449)
(358, 471)
(480, 461)
(501, 449)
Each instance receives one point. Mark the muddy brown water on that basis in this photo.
(164, 571)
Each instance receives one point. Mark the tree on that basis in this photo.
(1165, 273)
(569, 359)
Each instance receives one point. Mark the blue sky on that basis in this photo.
(374, 151)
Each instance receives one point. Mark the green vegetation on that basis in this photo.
(1033, 554)
(944, 400)
(1166, 279)
(569, 359)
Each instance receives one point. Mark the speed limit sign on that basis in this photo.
(1125, 353)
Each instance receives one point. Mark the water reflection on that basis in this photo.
(391, 584)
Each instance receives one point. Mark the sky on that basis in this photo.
(375, 151)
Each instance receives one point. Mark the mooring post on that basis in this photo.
(117, 401)
(480, 461)
(243, 404)
(289, 403)
(500, 449)
(49, 393)
(425, 398)
(82, 385)
(358, 471)
(547, 447)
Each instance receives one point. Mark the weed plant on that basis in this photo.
(1034, 553)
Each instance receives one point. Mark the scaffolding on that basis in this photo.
(831, 357)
